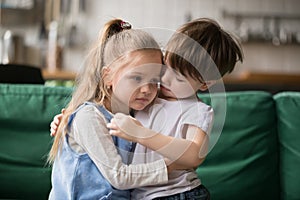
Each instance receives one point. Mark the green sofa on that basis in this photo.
(256, 157)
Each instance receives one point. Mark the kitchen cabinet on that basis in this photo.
(58, 75)
(271, 82)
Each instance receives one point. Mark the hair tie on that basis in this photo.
(125, 25)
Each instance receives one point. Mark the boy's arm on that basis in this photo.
(55, 123)
(174, 165)
(189, 152)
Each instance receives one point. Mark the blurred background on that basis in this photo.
(55, 35)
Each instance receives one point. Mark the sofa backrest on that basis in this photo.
(244, 162)
(25, 115)
(288, 117)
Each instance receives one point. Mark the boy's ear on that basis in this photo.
(207, 85)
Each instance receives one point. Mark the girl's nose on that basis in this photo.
(146, 88)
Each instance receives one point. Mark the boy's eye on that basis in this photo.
(179, 79)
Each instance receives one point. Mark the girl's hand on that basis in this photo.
(55, 123)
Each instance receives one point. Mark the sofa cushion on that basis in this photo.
(25, 116)
(244, 162)
(288, 108)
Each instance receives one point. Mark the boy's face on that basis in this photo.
(176, 86)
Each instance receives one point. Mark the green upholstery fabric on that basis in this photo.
(25, 115)
(288, 108)
(257, 156)
(244, 162)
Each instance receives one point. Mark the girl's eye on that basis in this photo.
(155, 81)
(137, 78)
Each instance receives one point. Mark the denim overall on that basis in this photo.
(75, 176)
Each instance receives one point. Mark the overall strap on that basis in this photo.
(106, 114)
(124, 147)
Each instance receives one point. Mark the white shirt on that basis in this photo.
(169, 118)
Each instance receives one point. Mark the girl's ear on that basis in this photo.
(106, 76)
(207, 85)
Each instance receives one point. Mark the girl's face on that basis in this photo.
(176, 86)
(134, 85)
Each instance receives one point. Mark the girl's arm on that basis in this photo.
(189, 152)
(90, 133)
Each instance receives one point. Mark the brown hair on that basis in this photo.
(115, 40)
(200, 45)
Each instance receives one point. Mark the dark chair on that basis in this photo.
(20, 74)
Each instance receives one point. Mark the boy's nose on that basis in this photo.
(165, 79)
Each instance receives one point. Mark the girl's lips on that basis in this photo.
(142, 99)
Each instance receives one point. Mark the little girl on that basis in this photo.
(88, 163)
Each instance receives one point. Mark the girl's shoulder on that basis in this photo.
(87, 108)
(90, 110)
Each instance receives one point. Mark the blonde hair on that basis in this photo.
(114, 41)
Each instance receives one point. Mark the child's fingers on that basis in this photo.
(119, 133)
(53, 125)
(109, 125)
(53, 128)
(55, 121)
(52, 133)
(112, 125)
(57, 118)
(114, 132)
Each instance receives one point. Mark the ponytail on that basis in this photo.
(111, 28)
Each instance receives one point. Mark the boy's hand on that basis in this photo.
(55, 123)
(121, 122)
(128, 128)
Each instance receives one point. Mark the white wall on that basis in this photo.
(169, 14)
